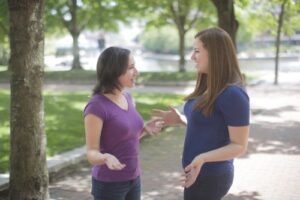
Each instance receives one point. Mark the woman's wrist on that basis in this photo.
(145, 129)
(200, 159)
(103, 157)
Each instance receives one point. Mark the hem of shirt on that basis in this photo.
(109, 179)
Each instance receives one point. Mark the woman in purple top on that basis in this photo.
(216, 116)
(113, 128)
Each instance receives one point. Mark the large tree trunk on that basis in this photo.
(28, 169)
(226, 17)
(279, 26)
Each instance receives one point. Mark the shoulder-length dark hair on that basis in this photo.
(112, 63)
(223, 69)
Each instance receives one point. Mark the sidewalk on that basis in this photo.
(269, 170)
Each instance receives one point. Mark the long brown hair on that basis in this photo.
(223, 69)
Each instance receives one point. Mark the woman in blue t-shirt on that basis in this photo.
(216, 115)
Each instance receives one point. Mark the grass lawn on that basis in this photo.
(64, 122)
(89, 77)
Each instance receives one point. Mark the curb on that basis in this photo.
(54, 164)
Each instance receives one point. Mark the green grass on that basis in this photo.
(64, 122)
(167, 76)
(89, 77)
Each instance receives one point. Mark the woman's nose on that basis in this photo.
(192, 56)
(136, 72)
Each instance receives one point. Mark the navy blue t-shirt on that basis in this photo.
(203, 134)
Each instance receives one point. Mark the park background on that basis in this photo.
(266, 34)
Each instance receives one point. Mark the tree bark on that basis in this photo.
(75, 35)
(181, 50)
(28, 168)
(226, 17)
(279, 27)
(76, 57)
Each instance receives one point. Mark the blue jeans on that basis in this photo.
(125, 190)
(209, 187)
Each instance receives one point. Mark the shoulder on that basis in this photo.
(96, 105)
(232, 96)
(96, 99)
(233, 91)
(233, 103)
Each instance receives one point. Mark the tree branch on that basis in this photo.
(193, 21)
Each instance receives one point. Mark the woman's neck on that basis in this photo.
(115, 93)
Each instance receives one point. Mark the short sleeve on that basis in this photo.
(95, 108)
(233, 103)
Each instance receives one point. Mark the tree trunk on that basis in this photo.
(76, 57)
(280, 24)
(75, 35)
(181, 50)
(226, 17)
(28, 168)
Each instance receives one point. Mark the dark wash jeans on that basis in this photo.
(125, 190)
(209, 187)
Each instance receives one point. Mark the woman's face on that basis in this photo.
(129, 77)
(200, 56)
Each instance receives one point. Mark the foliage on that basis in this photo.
(251, 17)
(3, 21)
(63, 119)
(4, 28)
(182, 14)
(164, 39)
(160, 12)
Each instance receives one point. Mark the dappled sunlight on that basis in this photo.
(270, 137)
(244, 195)
(284, 114)
(167, 188)
(161, 165)
(78, 105)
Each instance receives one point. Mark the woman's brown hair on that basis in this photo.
(223, 69)
(111, 64)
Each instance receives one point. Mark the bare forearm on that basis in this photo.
(227, 152)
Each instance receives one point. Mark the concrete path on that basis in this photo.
(270, 169)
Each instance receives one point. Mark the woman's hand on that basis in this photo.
(170, 117)
(192, 171)
(112, 162)
(154, 126)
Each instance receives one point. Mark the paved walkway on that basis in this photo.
(269, 171)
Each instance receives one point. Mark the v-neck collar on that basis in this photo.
(123, 109)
